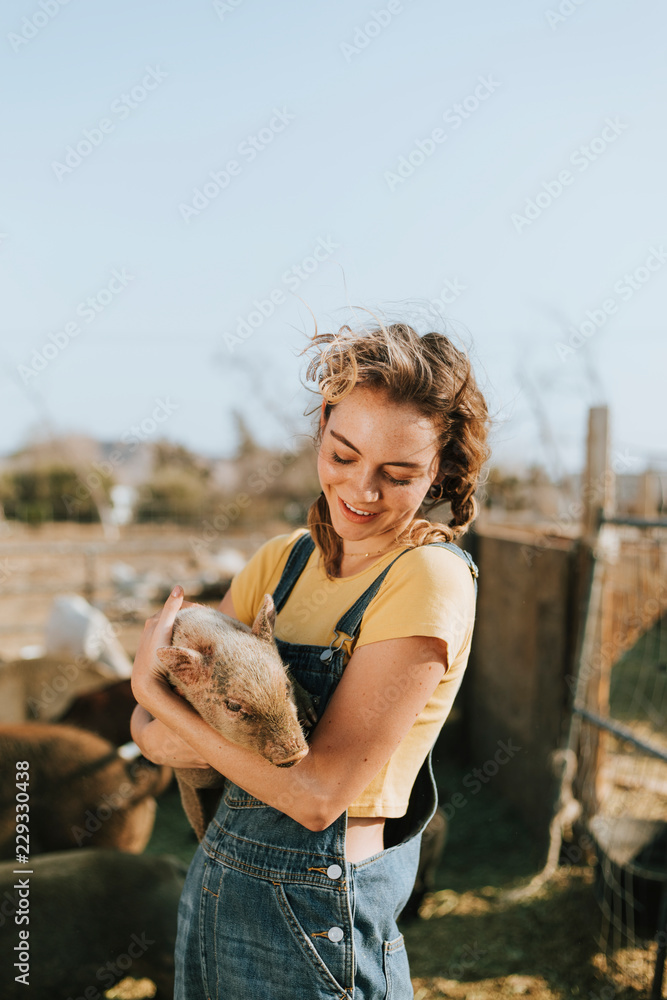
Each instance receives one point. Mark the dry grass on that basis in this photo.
(475, 946)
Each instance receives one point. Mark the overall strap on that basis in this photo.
(351, 620)
(464, 555)
(294, 567)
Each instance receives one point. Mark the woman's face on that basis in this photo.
(379, 457)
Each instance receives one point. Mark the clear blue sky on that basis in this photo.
(334, 94)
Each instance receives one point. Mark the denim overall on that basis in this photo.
(273, 911)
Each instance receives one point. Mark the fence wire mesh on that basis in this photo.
(629, 746)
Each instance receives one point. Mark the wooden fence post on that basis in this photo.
(598, 493)
(598, 502)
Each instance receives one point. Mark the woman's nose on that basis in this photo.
(367, 489)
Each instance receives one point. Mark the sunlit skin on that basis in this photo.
(381, 457)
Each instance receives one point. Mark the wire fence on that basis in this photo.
(627, 739)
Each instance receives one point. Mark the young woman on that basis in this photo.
(296, 885)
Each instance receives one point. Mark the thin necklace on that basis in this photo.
(357, 555)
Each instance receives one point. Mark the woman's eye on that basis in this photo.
(348, 461)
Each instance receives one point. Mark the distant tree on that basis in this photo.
(538, 476)
(504, 490)
(169, 455)
(179, 485)
(53, 493)
(246, 444)
(7, 492)
(172, 494)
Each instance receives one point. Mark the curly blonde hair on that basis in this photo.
(432, 374)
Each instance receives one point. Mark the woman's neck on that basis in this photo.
(352, 563)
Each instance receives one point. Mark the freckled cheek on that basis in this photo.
(413, 498)
(329, 473)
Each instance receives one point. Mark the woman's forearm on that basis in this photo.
(298, 791)
(161, 744)
(139, 718)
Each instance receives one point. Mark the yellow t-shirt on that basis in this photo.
(429, 591)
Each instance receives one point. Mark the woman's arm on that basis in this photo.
(383, 689)
(158, 743)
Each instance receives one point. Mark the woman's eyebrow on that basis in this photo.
(406, 465)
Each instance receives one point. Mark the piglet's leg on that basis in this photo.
(305, 705)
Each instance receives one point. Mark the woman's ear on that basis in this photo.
(322, 416)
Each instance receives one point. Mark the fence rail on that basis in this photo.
(636, 522)
(91, 577)
(623, 732)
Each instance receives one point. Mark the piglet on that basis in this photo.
(235, 679)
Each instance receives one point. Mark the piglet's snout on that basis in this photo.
(285, 752)
(289, 761)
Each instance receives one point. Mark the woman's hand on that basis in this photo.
(160, 744)
(148, 674)
(157, 741)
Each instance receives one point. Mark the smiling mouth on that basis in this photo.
(355, 510)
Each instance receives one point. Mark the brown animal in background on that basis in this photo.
(96, 916)
(106, 712)
(82, 793)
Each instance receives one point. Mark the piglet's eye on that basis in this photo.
(233, 706)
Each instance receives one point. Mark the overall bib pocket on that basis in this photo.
(279, 934)
(321, 928)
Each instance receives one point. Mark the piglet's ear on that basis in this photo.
(263, 624)
(182, 664)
